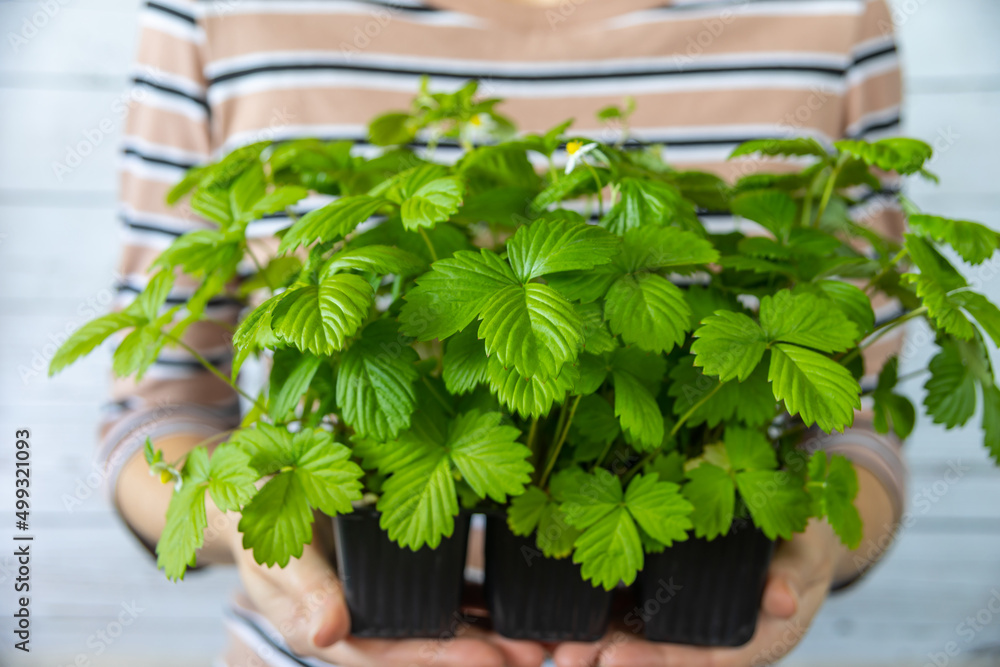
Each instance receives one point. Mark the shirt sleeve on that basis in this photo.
(872, 111)
(167, 130)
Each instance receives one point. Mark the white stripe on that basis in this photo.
(158, 99)
(162, 77)
(872, 45)
(728, 14)
(171, 25)
(162, 173)
(379, 13)
(874, 118)
(406, 83)
(162, 151)
(883, 64)
(174, 223)
(624, 66)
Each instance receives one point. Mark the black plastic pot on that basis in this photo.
(706, 593)
(394, 592)
(533, 597)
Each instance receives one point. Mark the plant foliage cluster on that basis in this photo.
(571, 344)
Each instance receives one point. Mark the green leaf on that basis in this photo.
(488, 455)
(449, 296)
(981, 308)
(287, 385)
(432, 203)
(636, 407)
(83, 341)
(749, 449)
(277, 523)
(610, 550)
(729, 345)
(749, 402)
(532, 328)
(392, 129)
(184, 531)
(892, 410)
(419, 503)
(529, 397)
(231, 478)
(330, 480)
(803, 320)
(555, 536)
(951, 388)
(378, 259)
(647, 310)
(642, 202)
(798, 146)
(851, 301)
(774, 210)
(201, 252)
(974, 242)
(820, 390)
(712, 492)
(584, 286)
(550, 245)
(277, 200)
(152, 298)
(594, 424)
(651, 248)
(596, 337)
(375, 388)
(834, 487)
(944, 311)
(902, 155)
(330, 222)
(526, 510)
(659, 508)
(464, 363)
(991, 421)
(322, 318)
(777, 503)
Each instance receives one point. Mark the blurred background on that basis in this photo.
(934, 601)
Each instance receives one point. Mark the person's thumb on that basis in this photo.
(311, 582)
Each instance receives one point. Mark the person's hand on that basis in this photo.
(304, 602)
(798, 582)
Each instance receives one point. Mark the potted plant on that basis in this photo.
(446, 339)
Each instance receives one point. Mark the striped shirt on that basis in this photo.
(706, 75)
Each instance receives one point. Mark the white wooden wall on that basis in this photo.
(57, 249)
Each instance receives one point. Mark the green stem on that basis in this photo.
(533, 434)
(260, 268)
(897, 258)
(447, 408)
(430, 246)
(831, 184)
(670, 436)
(554, 453)
(880, 331)
(212, 369)
(599, 461)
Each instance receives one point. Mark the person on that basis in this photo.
(705, 75)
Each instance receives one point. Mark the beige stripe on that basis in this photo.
(167, 128)
(236, 35)
(874, 94)
(170, 54)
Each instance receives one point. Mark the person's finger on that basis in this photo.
(577, 654)
(459, 652)
(519, 653)
(303, 600)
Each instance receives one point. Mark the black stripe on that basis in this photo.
(158, 160)
(398, 7)
(172, 12)
(144, 81)
(180, 301)
(240, 617)
(891, 48)
(524, 78)
(192, 364)
(876, 126)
